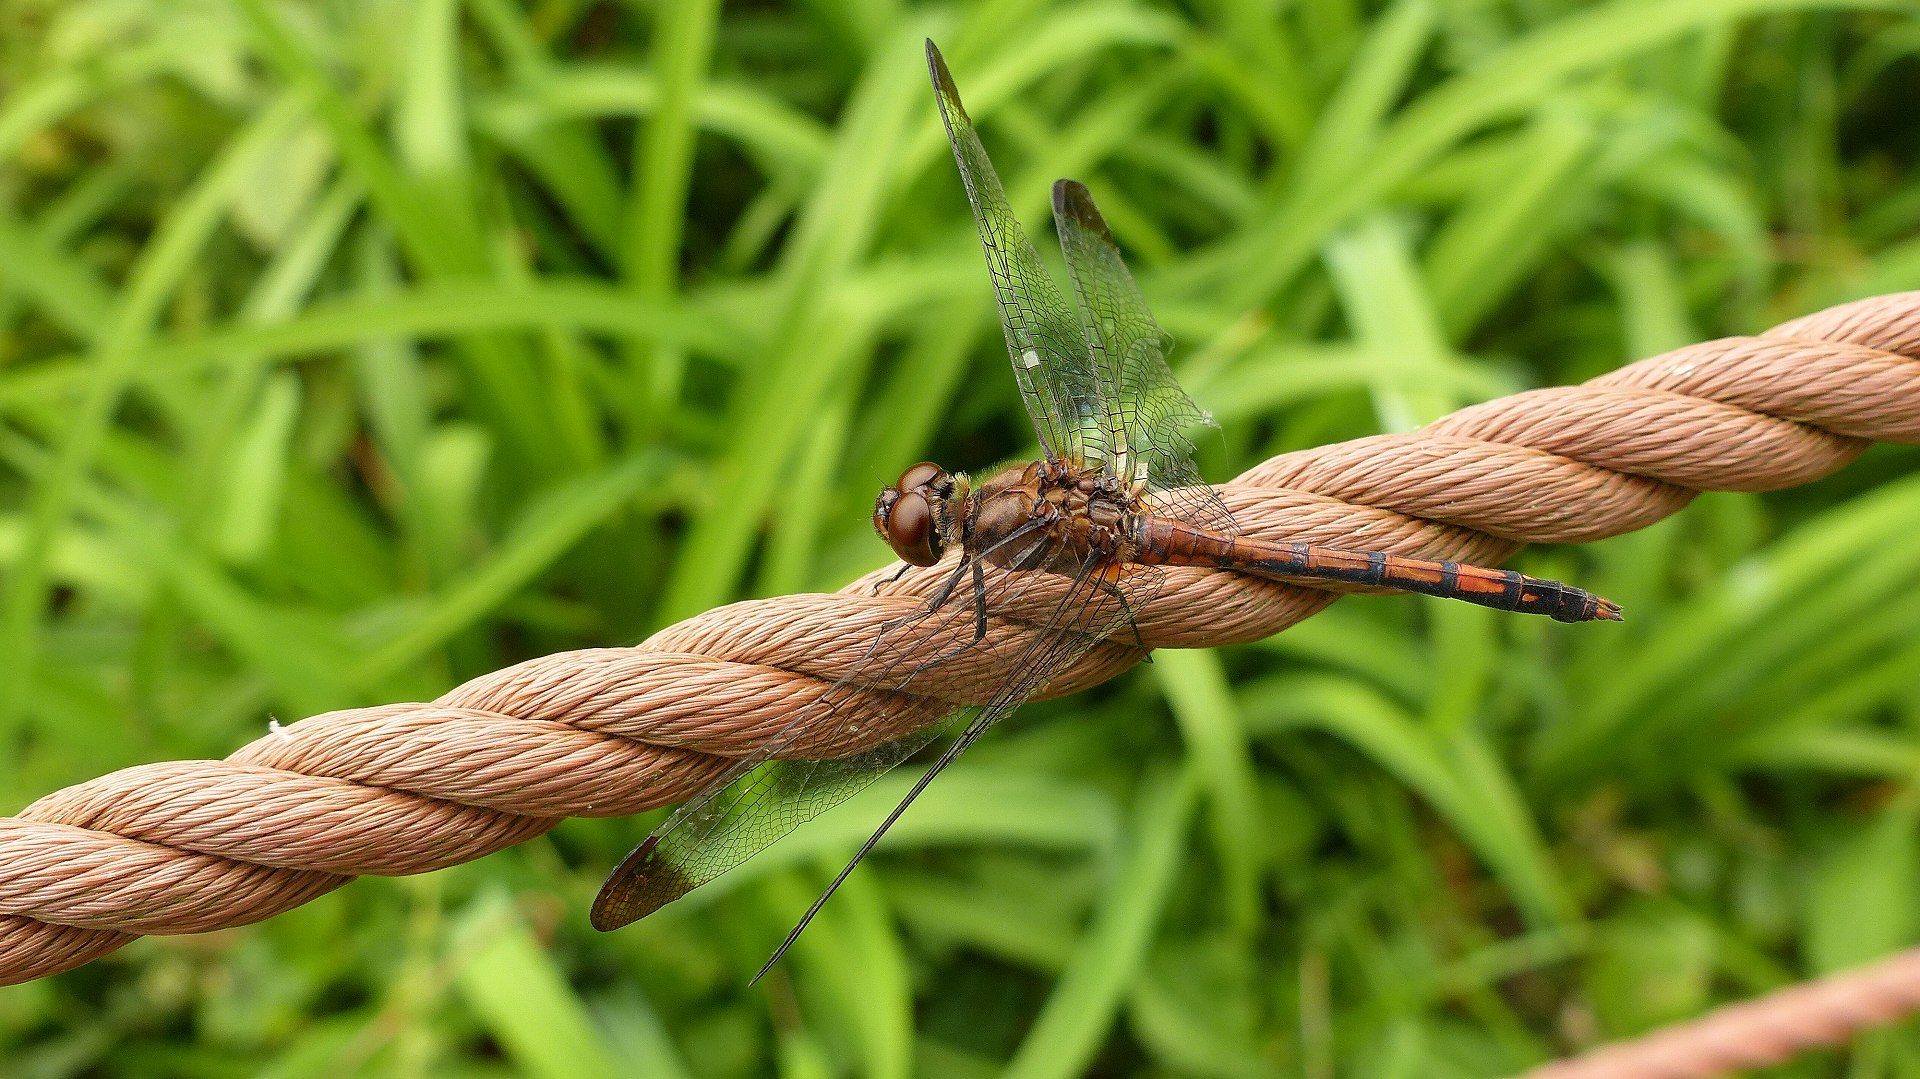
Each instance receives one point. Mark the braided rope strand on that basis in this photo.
(194, 845)
(1761, 1032)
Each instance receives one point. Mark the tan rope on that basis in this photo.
(1757, 1033)
(195, 845)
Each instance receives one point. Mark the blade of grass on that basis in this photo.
(1087, 997)
(860, 961)
(1826, 575)
(1486, 246)
(428, 311)
(779, 137)
(431, 209)
(523, 1001)
(1270, 254)
(165, 261)
(1489, 821)
(1203, 704)
(551, 526)
(1388, 307)
(773, 409)
(662, 171)
(66, 290)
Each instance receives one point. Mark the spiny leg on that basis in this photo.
(979, 605)
(1126, 610)
(897, 574)
(1034, 668)
(979, 625)
(979, 598)
(935, 601)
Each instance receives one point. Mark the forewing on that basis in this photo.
(1100, 601)
(1050, 361)
(804, 771)
(751, 806)
(1144, 415)
(1100, 605)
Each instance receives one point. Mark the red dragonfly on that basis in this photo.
(1069, 545)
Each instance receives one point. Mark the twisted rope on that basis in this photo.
(1761, 1032)
(190, 846)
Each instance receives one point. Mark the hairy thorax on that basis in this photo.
(1078, 509)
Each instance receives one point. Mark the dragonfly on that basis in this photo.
(1068, 548)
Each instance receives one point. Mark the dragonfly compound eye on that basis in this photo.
(910, 530)
(921, 475)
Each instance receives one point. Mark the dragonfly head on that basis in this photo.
(915, 515)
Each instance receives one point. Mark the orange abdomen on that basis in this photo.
(1164, 541)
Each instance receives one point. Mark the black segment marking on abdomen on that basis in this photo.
(1516, 588)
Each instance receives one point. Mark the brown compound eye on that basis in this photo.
(919, 475)
(910, 530)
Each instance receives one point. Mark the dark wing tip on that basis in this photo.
(608, 915)
(943, 82)
(638, 886)
(1073, 202)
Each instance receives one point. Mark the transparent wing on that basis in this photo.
(811, 766)
(1098, 602)
(1050, 360)
(1145, 415)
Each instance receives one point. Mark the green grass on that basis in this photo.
(348, 351)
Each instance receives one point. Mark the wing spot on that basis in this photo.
(1030, 359)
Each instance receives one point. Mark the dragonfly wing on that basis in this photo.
(1145, 415)
(750, 807)
(1099, 602)
(1050, 360)
(807, 768)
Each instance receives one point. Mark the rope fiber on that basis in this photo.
(191, 846)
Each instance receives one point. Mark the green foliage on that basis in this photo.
(350, 350)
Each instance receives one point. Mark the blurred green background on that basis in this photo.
(352, 349)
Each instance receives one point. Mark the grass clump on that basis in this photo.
(350, 350)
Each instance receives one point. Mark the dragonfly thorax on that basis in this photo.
(1050, 515)
(919, 516)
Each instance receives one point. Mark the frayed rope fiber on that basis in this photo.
(190, 846)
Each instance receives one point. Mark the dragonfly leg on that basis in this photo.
(1031, 671)
(975, 560)
(979, 624)
(1126, 609)
(935, 601)
(979, 605)
(897, 574)
(945, 592)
